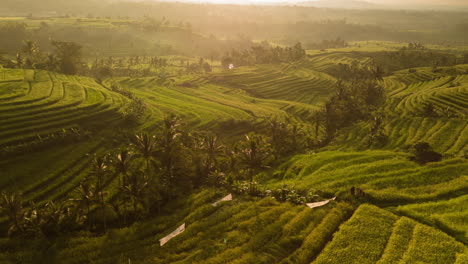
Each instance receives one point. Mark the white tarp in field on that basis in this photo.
(322, 203)
(227, 198)
(175, 233)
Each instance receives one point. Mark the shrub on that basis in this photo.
(423, 153)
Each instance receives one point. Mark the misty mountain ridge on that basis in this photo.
(347, 4)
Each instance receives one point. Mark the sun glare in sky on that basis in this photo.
(384, 2)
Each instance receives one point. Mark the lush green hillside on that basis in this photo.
(286, 82)
(422, 106)
(243, 230)
(404, 212)
(51, 122)
(388, 177)
(37, 104)
(205, 103)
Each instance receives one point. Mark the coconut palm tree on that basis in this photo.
(146, 146)
(212, 150)
(122, 163)
(318, 118)
(52, 62)
(52, 218)
(254, 152)
(377, 73)
(136, 188)
(86, 196)
(278, 134)
(29, 48)
(100, 171)
(19, 60)
(377, 129)
(169, 148)
(12, 206)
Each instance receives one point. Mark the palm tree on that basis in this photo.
(378, 73)
(33, 220)
(278, 131)
(99, 171)
(377, 129)
(212, 149)
(52, 62)
(12, 206)
(51, 219)
(146, 148)
(87, 195)
(253, 154)
(122, 165)
(30, 48)
(136, 188)
(19, 61)
(318, 117)
(169, 145)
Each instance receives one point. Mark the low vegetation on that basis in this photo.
(116, 128)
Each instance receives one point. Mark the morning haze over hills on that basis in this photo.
(353, 4)
(289, 132)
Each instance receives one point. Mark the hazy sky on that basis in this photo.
(422, 2)
(389, 2)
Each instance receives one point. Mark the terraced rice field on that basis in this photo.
(373, 235)
(327, 61)
(388, 177)
(34, 104)
(288, 82)
(446, 135)
(449, 214)
(240, 231)
(449, 93)
(205, 104)
(50, 173)
(38, 103)
(406, 123)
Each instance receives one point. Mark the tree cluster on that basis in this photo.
(328, 44)
(263, 54)
(134, 66)
(151, 170)
(66, 57)
(198, 67)
(357, 97)
(423, 153)
(412, 58)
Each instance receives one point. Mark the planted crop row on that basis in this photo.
(445, 135)
(373, 235)
(448, 214)
(386, 176)
(54, 103)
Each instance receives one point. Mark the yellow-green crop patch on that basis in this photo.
(450, 213)
(386, 176)
(373, 235)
